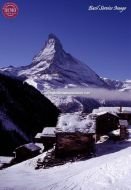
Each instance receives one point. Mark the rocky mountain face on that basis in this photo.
(24, 111)
(53, 68)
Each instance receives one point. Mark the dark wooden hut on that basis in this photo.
(47, 137)
(124, 113)
(75, 135)
(106, 122)
(26, 151)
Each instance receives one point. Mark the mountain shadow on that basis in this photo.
(24, 111)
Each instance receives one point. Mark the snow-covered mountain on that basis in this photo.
(117, 84)
(53, 68)
(126, 86)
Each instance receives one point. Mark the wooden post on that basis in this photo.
(123, 132)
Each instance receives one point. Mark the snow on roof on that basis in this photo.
(30, 146)
(5, 159)
(126, 109)
(123, 122)
(112, 109)
(91, 116)
(105, 112)
(38, 135)
(75, 123)
(48, 131)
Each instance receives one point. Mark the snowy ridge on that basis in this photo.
(120, 85)
(126, 86)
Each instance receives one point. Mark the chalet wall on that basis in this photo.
(48, 142)
(68, 144)
(125, 116)
(106, 123)
(22, 154)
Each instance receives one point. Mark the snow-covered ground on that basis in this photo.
(110, 170)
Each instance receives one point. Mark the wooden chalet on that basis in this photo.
(73, 139)
(47, 137)
(106, 122)
(74, 143)
(124, 113)
(26, 151)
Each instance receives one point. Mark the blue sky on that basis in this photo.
(101, 39)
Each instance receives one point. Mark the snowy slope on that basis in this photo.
(111, 170)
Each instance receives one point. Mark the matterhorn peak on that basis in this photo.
(53, 40)
(55, 66)
(52, 47)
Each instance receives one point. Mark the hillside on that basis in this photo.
(24, 111)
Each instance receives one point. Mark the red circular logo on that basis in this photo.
(10, 10)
